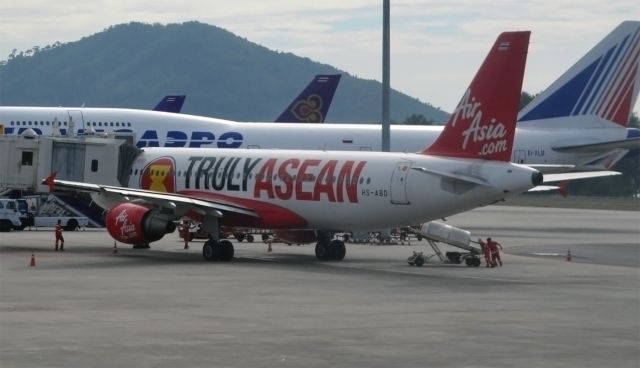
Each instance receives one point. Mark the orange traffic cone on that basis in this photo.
(115, 248)
(33, 260)
(569, 255)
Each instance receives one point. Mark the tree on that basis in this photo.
(525, 98)
(417, 119)
(634, 121)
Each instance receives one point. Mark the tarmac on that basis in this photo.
(167, 307)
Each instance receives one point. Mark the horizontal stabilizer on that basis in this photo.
(543, 188)
(629, 143)
(549, 178)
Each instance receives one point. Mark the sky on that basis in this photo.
(436, 46)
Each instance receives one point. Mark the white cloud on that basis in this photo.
(436, 45)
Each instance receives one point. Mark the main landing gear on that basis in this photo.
(330, 250)
(214, 250)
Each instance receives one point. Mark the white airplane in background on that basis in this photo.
(580, 120)
(309, 194)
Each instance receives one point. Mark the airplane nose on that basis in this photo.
(537, 178)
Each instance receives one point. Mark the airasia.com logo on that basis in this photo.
(127, 229)
(492, 135)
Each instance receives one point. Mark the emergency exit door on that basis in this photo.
(399, 183)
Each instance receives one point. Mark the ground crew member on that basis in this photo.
(59, 237)
(494, 248)
(185, 233)
(486, 253)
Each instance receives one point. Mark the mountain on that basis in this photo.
(133, 65)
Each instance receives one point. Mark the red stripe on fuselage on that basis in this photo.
(270, 216)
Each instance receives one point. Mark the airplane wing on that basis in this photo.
(629, 143)
(166, 200)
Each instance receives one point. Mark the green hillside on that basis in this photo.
(223, 75)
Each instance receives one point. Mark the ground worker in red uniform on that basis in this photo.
(494, 249)
(59, 237)
(185, 232)
(486, 252)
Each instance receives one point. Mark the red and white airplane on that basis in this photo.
(306, 195)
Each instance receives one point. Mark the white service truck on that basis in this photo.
(10, 215)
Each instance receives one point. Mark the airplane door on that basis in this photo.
(519, 156)
(76, 117)
(399, 183)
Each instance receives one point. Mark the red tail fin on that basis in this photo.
(484, 123)
(49, 181)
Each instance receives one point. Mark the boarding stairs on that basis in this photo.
(436, 232)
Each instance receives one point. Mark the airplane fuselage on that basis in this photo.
(534, 145)
(327, 190)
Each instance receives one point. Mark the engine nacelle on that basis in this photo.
(135, 224)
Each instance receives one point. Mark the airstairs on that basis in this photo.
(436, 232)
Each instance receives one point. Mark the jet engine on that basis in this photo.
(132, 223)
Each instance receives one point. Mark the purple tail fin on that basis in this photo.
(171, 103)
(312, 104)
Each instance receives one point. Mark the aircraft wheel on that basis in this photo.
(322, 251)
(226, 251)
(337, 250)
(72, 225)
(454, 257)
(211, 250)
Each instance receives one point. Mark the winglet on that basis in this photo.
(50, 181)
(484, 123)
(312, 104)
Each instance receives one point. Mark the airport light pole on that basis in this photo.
(386, 140)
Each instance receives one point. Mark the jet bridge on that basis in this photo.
(436, 232)
(29, 158)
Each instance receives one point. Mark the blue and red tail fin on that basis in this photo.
(603, 83)
(312, 105)
(484, 123)
(172, 103)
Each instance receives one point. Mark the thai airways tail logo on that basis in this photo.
(159, 175)
(309, 110)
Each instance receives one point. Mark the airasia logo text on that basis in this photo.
(491, 135)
